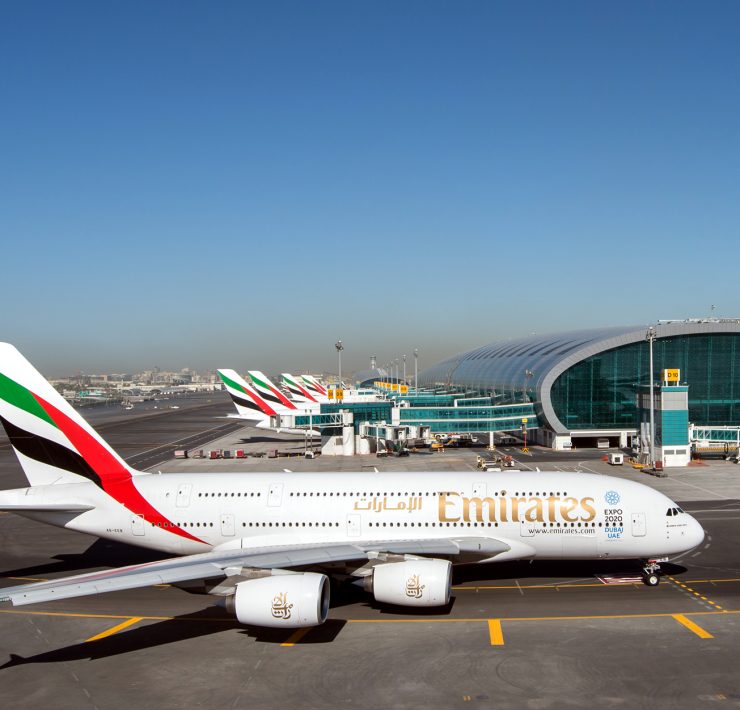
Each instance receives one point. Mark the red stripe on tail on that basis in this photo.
(114, 475)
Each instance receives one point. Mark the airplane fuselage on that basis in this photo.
(538, 515)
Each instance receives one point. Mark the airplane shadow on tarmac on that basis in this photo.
(555, 571)
(101, 553)
(271, 440)
(179, 628)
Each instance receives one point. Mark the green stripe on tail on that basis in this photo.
(20, 397)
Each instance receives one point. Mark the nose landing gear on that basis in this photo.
(651, 573)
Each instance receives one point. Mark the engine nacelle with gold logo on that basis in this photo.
(282, 601)
(412, 582)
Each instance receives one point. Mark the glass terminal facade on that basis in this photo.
(600, 391)
(588, 380)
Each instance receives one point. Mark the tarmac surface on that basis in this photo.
(516, 635)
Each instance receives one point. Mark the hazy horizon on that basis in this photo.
(242, 184)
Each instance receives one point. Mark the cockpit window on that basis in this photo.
(670, 512)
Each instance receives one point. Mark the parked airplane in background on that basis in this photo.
(264, 543)
(275, 396)
(298, 390)
(314, 386)
(255, 409)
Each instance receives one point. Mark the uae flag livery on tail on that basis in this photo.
(248, 402)
(54, 444)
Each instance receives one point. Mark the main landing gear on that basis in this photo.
(651, 573)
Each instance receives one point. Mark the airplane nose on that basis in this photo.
(696, 532)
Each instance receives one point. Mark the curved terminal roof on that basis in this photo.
(533, 363)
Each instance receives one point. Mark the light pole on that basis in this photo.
(416, 370)
(338, 345)
(650, 338)
(527, 375)
(404, 369)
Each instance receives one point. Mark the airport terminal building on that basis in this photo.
(584, 384)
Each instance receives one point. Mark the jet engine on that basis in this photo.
(281, 601)
(411, 582)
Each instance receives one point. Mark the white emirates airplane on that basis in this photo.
(257, 411)
(264, 542)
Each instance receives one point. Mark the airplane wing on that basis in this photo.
(224, 563)
(46, 508)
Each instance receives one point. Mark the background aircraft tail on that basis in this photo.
(247, 401)
(298, 391)
(314, 386)
(270, 393)
(53, 443)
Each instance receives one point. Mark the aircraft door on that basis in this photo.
(183, 495)
(137, 524)
(479, 490)
(638, 524)
(275, 495)
(526, 529)
(227, 525)
(353, 525)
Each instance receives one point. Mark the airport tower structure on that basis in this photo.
(584, 384)
(670, 402)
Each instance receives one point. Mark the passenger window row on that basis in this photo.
(230, 495)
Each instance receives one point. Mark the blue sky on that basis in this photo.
(240, 184)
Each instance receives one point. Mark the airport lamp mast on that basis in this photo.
(338, 345)
(416, 370)
(404, 369)
(650, 337)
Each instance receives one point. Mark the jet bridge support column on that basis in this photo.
(348, 434)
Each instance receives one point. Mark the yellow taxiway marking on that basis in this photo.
(540, 586)
(695, 593)
(77, 615)
(29, 579)
(540, 618)
(296, 636)
(495, 632)
(712, 581)
(114, 629)
(691, 626)
(584, 584)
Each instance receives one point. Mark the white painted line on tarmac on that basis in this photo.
(170, 443)
(699, 488)
(712, 510)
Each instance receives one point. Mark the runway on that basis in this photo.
(539, 635)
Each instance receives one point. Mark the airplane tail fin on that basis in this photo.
(314, 385)
(247, 401)
(270, 393)
(53, 443)
(298, 392)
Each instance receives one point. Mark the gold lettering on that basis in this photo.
(567, 507)
(586, 504)
(443, 503)
(534, 514)
(515, 508)
(478, 505)
(502, 512)
(551, 500)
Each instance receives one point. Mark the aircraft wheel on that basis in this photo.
(652, 579)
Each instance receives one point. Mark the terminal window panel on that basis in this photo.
(601, 390)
